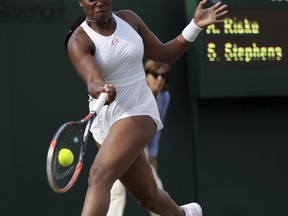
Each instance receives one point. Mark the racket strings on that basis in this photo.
(71, 137)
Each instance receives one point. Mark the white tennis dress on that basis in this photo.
(119, 58)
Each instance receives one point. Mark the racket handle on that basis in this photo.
(99, 103)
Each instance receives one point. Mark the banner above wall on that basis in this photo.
(44, 11)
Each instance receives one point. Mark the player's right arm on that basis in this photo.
(80, 50)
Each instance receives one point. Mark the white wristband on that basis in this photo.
(191, 31)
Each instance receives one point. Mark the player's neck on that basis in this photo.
(95, 21)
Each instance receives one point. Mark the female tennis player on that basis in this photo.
(107, 51)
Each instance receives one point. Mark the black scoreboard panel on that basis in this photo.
(248, 38)
(247, 55)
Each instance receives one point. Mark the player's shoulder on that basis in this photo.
(80, 41)
(126, 14)
(130, 17)
(79, 35)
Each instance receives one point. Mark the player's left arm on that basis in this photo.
(170, 51)
(153, 48)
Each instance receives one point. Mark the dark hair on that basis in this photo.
(73, 27)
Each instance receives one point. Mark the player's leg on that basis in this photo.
(117, 199)
(123, 152)
(140, 182)
(126, 140)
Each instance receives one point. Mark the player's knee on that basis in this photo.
(93, 173)
(97, 177)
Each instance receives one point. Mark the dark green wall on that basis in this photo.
(242, 155)
(38, 87)
(228, 154)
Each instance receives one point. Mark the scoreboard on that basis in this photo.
(246, 55)
(248, 38)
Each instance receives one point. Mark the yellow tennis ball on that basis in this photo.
(65, 157)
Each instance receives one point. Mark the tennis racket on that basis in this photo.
(71, 136)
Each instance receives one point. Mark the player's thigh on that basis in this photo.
(126, 140)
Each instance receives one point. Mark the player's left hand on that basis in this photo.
(206, 16)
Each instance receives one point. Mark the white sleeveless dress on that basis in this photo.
(119, 58)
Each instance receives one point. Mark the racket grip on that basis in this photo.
(99, 103)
